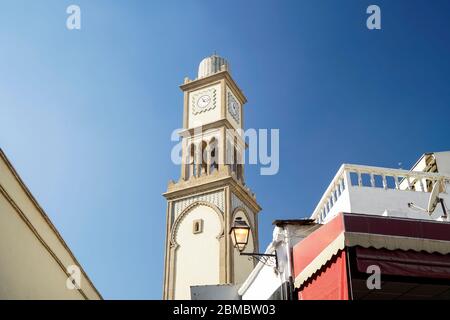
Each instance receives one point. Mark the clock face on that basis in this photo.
(203, 101)
(233, 107)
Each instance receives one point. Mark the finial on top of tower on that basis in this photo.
(211, 65)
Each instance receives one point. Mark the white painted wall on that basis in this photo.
(197, 257)
(263, 285)
(379, 201)
(443, 162)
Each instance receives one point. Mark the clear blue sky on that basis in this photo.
(86, 116)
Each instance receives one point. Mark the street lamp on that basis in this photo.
(240, 232)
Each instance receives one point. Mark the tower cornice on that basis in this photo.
(191, 85)
(190, 132)
(206, 184)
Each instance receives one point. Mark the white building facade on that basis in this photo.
(354, 189)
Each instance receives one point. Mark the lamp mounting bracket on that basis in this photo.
(270, 260)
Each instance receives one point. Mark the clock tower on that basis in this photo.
(211, 191)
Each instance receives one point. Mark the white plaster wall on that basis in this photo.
(443, 162)
(378, 201)
(263, 285)
(208, 115)
(197, 257)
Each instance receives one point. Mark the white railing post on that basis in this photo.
(422, 188)
(409, 182)
(372, 180)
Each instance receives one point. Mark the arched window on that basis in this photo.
(213, 155)
(204, 158)
(239, 172)
(192, 163)
(235, 157)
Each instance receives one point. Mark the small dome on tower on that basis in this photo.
(211, 65)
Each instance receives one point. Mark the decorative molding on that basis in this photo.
(238, 203)
(230, 100)
(216, 198)
(211, 92)
(195, 84)
(204, 184)
(180, 218)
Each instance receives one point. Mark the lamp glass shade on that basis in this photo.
(240, 232)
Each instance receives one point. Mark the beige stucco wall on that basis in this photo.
(197, 255)
(33, 256)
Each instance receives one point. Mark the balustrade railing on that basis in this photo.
(351, 176)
